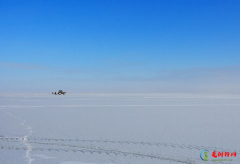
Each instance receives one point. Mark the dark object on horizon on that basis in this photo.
(60, 92)
(55, 93)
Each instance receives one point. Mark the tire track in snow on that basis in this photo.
(25, 138)
(116, 105)
(182, 146)
(107, 151)
(62, 145)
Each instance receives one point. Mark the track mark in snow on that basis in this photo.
(25, 138)
(61, 145)
(107, 105)
(159, 144)
(100, 150)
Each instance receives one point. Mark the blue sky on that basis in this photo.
(120, 46)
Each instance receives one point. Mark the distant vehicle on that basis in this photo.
(60, 92)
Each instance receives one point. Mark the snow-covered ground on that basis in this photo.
(117, 128)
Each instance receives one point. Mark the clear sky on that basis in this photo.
(120, 45)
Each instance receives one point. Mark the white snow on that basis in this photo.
(117, 128)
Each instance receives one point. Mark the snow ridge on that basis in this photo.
(25, 138)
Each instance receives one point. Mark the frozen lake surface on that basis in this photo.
(118, 128)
